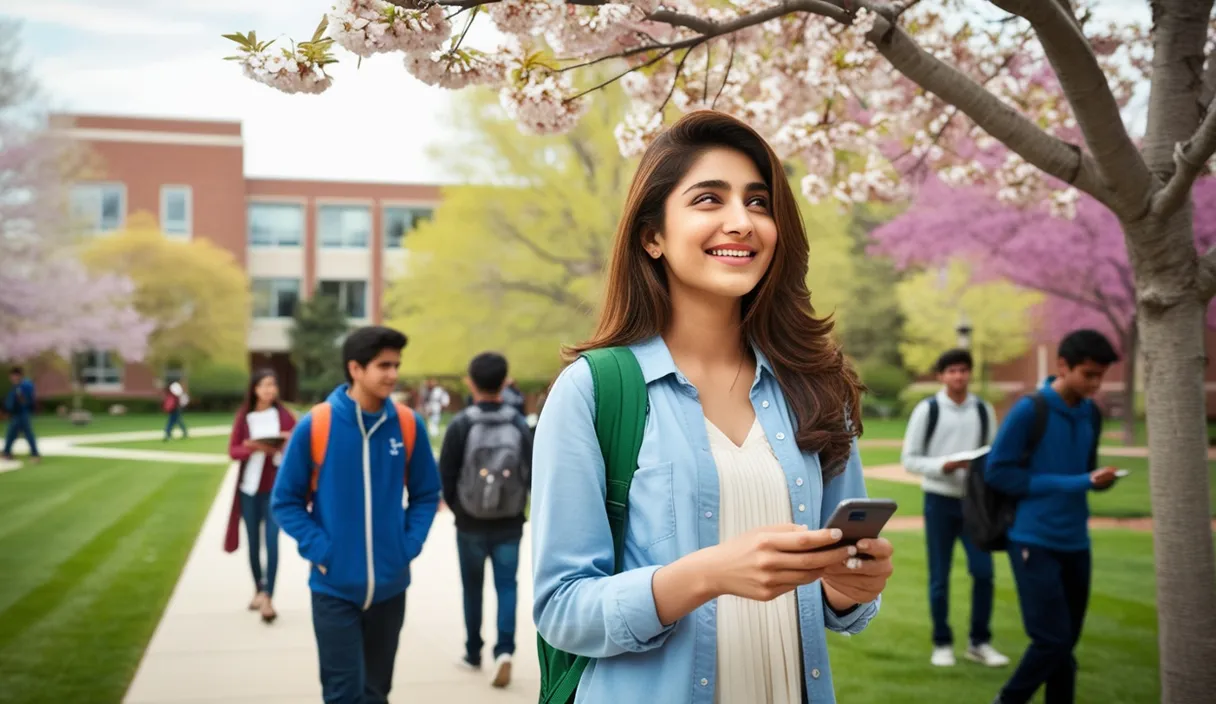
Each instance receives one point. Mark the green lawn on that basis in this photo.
(49, 425)
(90, 550)
(1118, 652)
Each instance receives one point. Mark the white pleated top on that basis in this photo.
(758, 648)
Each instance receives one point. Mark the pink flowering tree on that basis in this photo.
(1022, 98)
(1080, 263)
(49, 303)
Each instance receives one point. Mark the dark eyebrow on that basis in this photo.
(718, 184)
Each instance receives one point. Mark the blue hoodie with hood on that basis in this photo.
(366, 553)
(1053, 509)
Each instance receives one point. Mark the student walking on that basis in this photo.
(19, 405)
(952, 421)
(486, 470)
(349, 467)
(259, 432)
(747, 445)
(174, 403)
(1048, 543)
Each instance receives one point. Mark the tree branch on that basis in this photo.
(1189, 159)
(1092, 101)
(573, 267)
(556, 294)
(1208, 92)
(1054, 156)
(1207, 276)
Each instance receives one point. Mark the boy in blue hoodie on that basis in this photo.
(19, 404)
(1048, 542)
(355, 534)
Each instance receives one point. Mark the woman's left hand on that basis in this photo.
(862, 580)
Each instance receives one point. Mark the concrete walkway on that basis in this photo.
(208, 648)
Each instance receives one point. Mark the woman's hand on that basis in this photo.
(761, 564)
(860, 580)
(767, 562)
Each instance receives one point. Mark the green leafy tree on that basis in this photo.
(514, 264)
(871, 318)
(318, 328)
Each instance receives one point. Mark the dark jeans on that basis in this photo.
(356, 647)
(1053, 592)
(502, 550)
(175, 418)
(20, 424)
(943, 528)
(255, 511)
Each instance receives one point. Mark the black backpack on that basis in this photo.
(935, 412)
(987, 512)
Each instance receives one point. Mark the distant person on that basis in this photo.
(1048, 543)
(261, 427)
(486, 467)
(437, 401)
(174, 404)
(346, 514)
(19, 404)
(950, 422)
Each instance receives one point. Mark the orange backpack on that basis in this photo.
(319, 438)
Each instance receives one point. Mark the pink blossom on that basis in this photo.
(455, 69)
(366, 27)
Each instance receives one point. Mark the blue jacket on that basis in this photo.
(366, 557)
(1053, 511)
(581, 607)
(23, 405)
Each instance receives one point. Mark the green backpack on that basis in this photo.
(620, 419)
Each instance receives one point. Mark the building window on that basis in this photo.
(275, 298)
(351, 295)
(97, 368)
(344, 226)
(176, 211)
(275, 225)
(399, 221)
(99, 207)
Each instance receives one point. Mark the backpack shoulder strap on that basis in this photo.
(982, 409)
(409, 434)
(934, 413)
(1097, 421)
(1039, 427)
(620, 419)
(318, 437)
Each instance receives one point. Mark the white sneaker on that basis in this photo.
(986, 655)
(943, 656)
(464, 664)
(502, 671)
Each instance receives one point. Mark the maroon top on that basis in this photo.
(238, 451)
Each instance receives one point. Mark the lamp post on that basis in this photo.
(964, 331)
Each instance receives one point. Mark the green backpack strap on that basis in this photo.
(620, 419)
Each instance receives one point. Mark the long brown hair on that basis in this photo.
(821, 387)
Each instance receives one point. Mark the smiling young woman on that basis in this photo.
(749, 444)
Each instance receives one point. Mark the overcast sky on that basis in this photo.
(162, 58)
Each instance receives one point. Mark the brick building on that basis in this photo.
(291, 236)
(191, 174)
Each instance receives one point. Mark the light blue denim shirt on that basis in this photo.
(582, 608)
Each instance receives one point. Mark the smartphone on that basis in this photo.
(858, 519)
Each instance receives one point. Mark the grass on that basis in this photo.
(1117, 654)
(51, 425)
(1129, 498)
(217, 444)
(90, 550)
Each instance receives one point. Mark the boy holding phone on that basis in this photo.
(952, 421)
(1048, 542)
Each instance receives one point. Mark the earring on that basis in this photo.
(655, 254)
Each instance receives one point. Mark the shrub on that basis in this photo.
(884, 384)
(217, 386)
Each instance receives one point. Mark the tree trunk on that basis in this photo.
(1171, 319)
(1130, 340)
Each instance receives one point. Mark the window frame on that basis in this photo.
(344, 296)
(275, 291)
(102, 381)
(276, 244)
(413, 210)
(97, 218)
(168, 189)
(345, 244)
